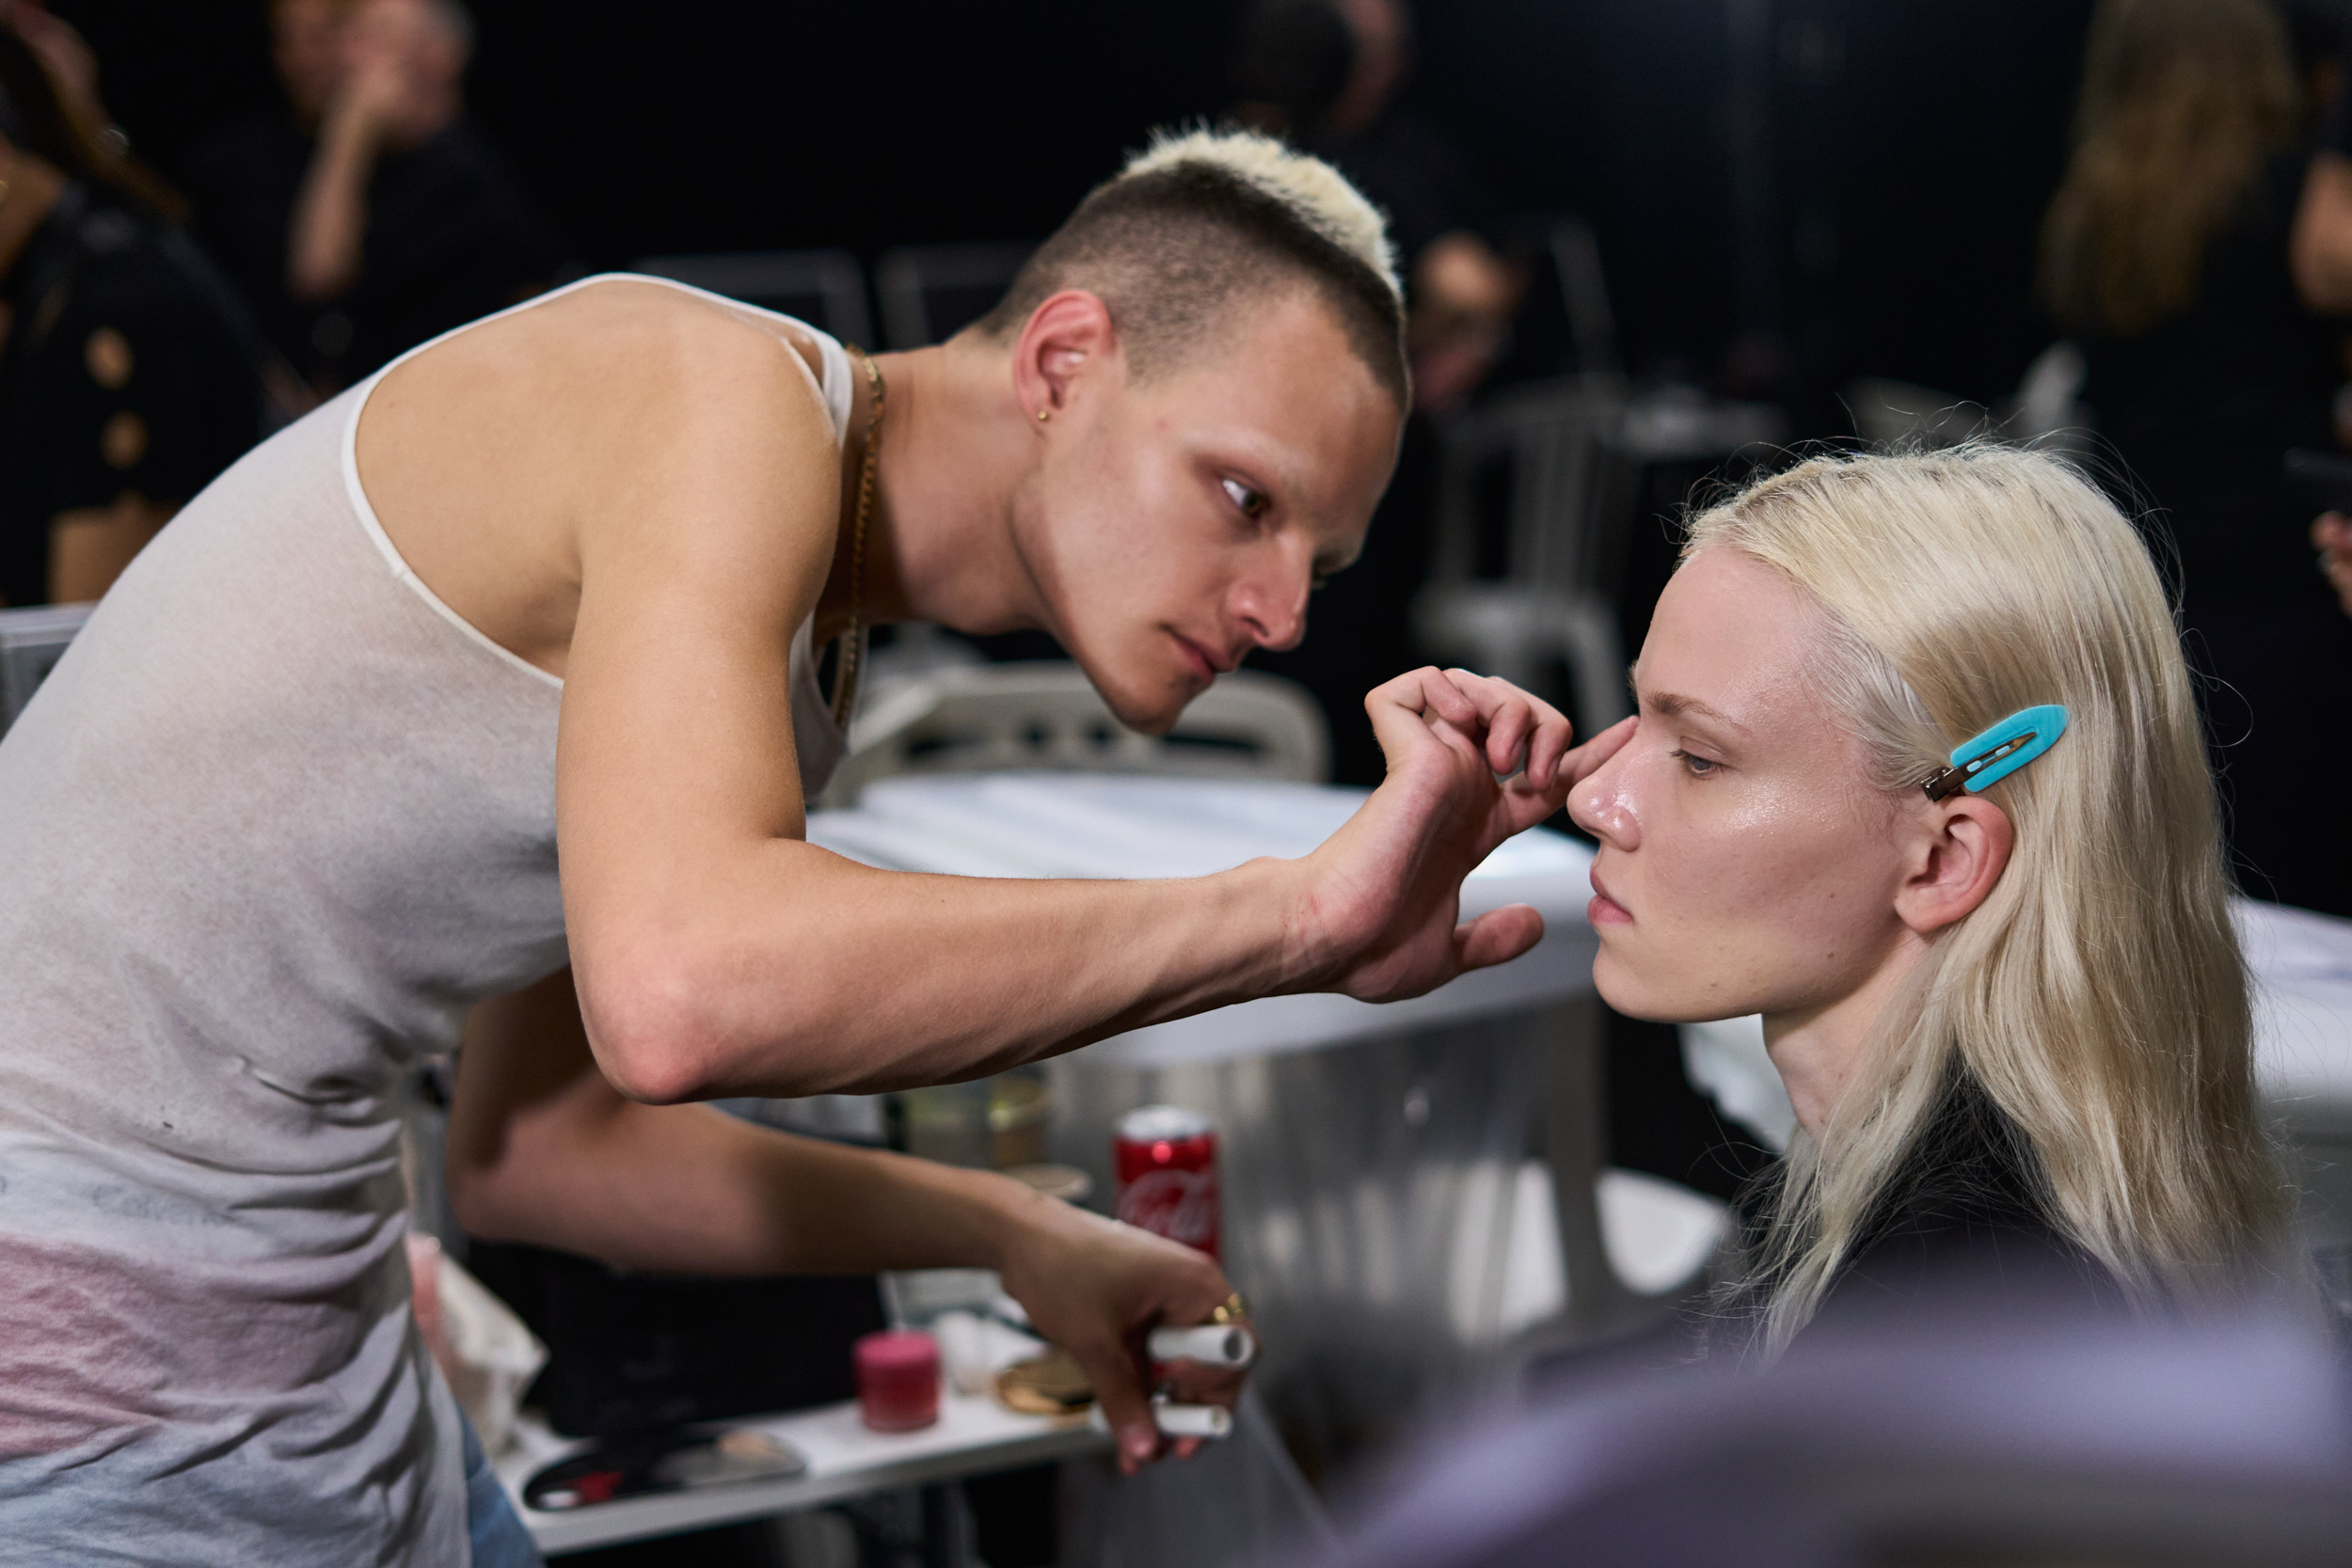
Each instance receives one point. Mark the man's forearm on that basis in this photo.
(814, 974)
(718, 958)
(543, 1150)
(687, 1189)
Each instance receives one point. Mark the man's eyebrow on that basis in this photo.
(1673, 705)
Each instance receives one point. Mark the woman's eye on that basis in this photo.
(1700, 766)
(1251, 503)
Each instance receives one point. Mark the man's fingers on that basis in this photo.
(1120, 1391)
(1498, 935)
(1512, 730)
(1414, 709)
(1193, 1382)
(1548, 750)
(1428, 691)
(1507, 729)
(1554, 772)
(1587, 759)
(1517, 724)
(1524, 805)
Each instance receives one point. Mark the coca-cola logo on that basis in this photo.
(1180, 1205)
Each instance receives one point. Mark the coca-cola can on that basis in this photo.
(1166, 1160)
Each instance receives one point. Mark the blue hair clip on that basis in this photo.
(1999, 752)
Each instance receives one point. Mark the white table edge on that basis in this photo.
(1039, 1439)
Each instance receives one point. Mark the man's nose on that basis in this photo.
(1602, 804)
(1274, 610)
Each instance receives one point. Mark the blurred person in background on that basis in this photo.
(1325, 74)
(130, 374)
(2007, 1003)
(368, 214)
(2166, 253)
(2323, 272)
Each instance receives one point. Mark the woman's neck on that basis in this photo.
(939, 542)
(1819, 1050)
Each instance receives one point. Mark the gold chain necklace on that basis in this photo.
(852, 644)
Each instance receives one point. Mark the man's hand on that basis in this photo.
(1473, 760)
(543, 1149)
(1096, 1287)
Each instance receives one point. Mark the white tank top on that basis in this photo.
(275, 822)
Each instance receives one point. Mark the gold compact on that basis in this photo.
(1048, 1384)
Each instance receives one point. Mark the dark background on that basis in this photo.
(1788, 193)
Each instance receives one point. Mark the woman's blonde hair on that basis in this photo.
(2181, 100)
(2097, 996)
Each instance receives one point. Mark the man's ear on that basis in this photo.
(1960, 849)
(1067, 338)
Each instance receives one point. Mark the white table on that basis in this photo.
(973, 1436)
(2302, 965)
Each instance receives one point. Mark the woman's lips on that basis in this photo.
(1605, 911)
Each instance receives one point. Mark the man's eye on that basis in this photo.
(1700, 766)
(1251, 503)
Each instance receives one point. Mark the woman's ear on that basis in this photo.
(1065, 337)
(1959, 850)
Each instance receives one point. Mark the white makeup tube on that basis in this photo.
(1191, 1420)
(1214, 1345)
(1176, 1421)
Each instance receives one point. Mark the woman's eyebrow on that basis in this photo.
(1673, 705)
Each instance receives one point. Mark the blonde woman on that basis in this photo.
(2008, 1005)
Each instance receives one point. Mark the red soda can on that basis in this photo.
(1166, 1160)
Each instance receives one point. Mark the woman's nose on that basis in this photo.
(1603, 804)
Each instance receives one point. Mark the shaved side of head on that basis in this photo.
(1199, 228)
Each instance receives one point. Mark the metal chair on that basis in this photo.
(2047, 411)
(31, 642)
(1574, 251)
(1046, 714)
(1555, 601)
(929, 292)
(1908, 416)
(824, 288)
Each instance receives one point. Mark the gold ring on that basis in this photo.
(1230, 1309)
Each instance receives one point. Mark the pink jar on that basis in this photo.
(898, 1380)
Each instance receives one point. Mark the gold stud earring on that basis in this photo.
(1043, 414)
